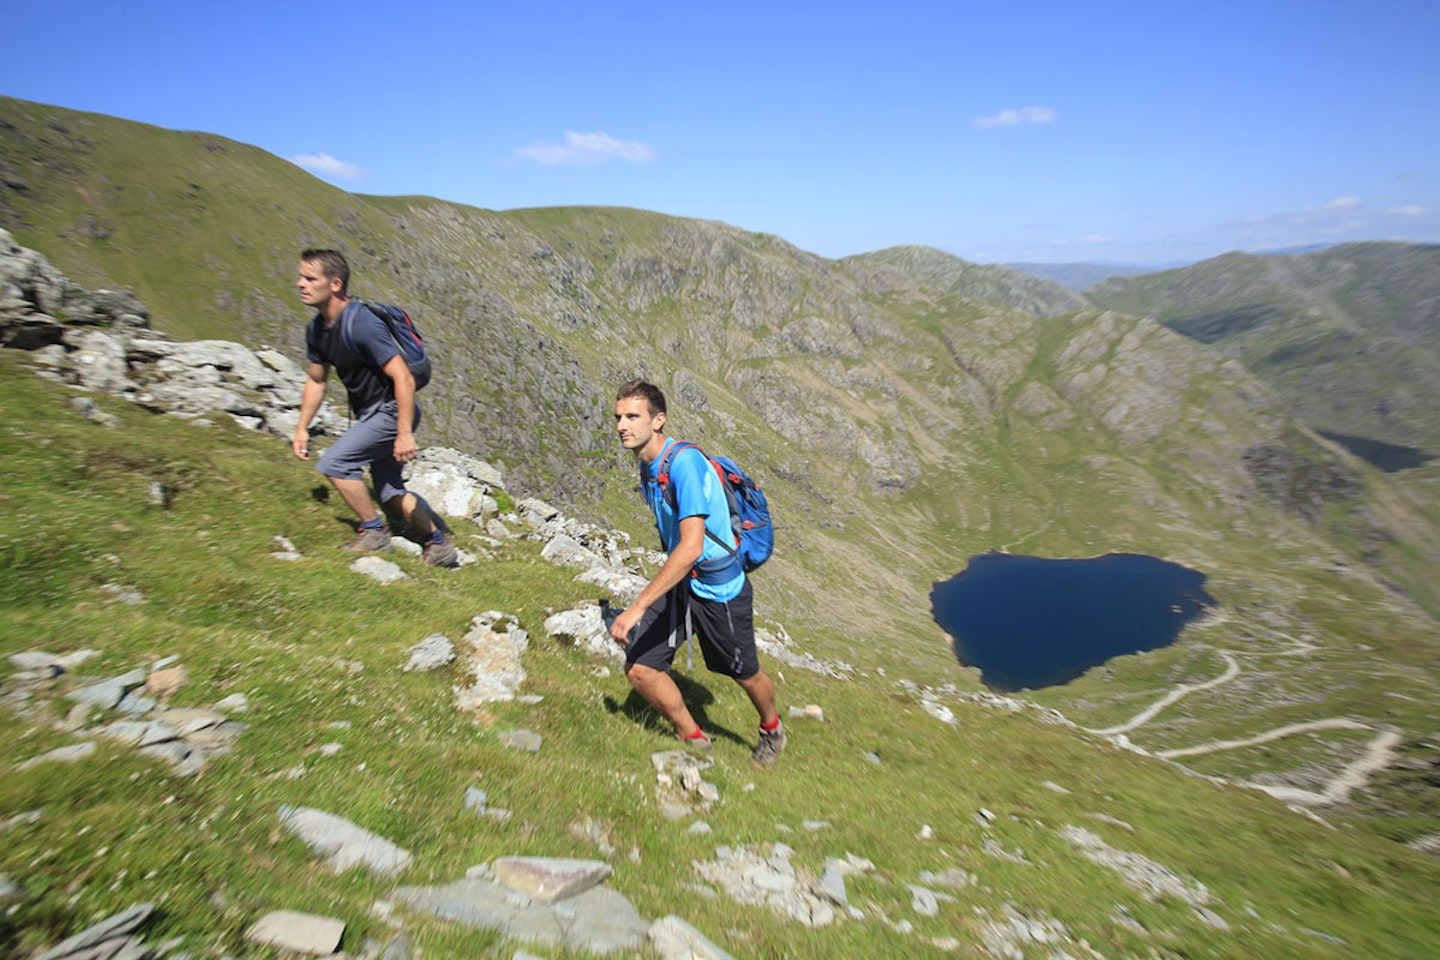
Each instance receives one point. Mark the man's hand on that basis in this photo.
(405, 449)
(620, 629)
(301, 443)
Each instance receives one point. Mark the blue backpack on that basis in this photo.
(402, 331)
(749, 514)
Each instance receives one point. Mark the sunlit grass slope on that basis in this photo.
(318, 649)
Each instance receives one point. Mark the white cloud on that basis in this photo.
(327, 166)
(1339, 213)
(1088, 240)
(1014, 118)
(584, 149)
(1343, 218)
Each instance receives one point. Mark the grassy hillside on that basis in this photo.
(317, 650)
(899, 421)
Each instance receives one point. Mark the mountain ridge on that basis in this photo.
(981, 843)
(900, 423)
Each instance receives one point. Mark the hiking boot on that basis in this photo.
(701, 743)
(369, 541)
(442, 554)
(772, 744)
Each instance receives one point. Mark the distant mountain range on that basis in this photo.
(1349, 335)
(1078, 276)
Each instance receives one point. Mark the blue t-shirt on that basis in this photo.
(697, 494)
(362, 371)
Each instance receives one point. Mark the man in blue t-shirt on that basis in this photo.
(700, 585)
(382, 401)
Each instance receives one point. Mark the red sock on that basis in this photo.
(698, 734)
(772, 726)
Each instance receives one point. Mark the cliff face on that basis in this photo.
(1349, 336)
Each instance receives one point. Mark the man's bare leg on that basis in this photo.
(660, 691)
(761, 690)
(356, 495)
(417, 519)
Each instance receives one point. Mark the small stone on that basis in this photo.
(522, 740)
(549, 879)
(300, 932)
(432, 653)
(674, 939)
(60, 755)
(161, 684)
(831, 885)
(105, 694)
(342, 843)
(399, 947)
(33, 660)
(924, 901)
(873, 758)
(118, 925)
(235, 703)
(379, 570)
(78, 716)
(475, 799)
(135, 705)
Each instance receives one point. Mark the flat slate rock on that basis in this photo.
(61, 755)
(674, 939)
(300, 932)
(598, 920)
(549, 879)
(118, 925)
(342, 843)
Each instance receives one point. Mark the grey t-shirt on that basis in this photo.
(360, 370)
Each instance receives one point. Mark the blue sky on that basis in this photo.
(1046, 131)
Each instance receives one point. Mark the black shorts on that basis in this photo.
(725, 631)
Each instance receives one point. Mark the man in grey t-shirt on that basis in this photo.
(382, 400)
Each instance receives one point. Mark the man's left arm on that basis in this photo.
(674, 570)
(399, 374)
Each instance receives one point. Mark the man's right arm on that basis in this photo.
(310, 398)
(676, 568)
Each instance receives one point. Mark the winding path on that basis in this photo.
(1377, 755)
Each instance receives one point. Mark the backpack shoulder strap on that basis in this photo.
(667, 489)
(347, 319)
(662, 472)
(346, 333)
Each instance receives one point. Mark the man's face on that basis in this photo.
(315, 288)
(634, 423)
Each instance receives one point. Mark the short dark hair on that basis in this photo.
(653, 396)
(332, 264)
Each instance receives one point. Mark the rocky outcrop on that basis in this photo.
(102, 342)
